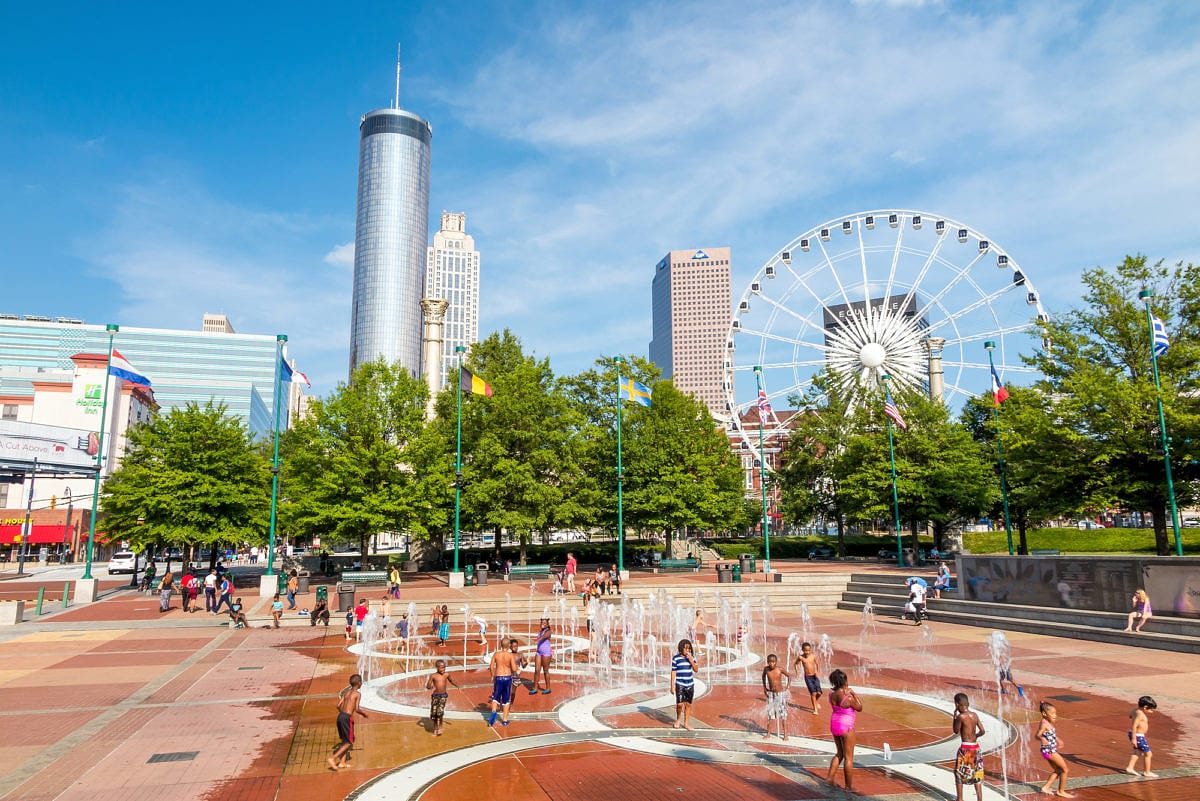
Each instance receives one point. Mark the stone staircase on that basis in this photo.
(888, 595)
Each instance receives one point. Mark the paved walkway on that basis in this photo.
(116, 701)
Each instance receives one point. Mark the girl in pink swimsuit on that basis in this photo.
(845, 707)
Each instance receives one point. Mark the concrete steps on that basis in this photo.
(888, 599)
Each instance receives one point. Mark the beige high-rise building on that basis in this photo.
(691, 309)
(452, 274)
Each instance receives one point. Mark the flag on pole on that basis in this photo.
(635, 391)
(1161, 342)
(304, 378)
(999, 393)
(120, 367)
(889, 408)
(289, 373)
(474, 384)
(764, 406)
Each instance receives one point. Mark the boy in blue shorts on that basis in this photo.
(1139, 727)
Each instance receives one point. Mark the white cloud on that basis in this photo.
(341, 255)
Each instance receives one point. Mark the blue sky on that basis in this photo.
(158, 161)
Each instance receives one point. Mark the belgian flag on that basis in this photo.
(474, 384)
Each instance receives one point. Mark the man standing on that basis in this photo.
(224, 594)
(504, 668)
(571, 566)
(210, 592)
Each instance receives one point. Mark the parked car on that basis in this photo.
(122, 562)
(822, 552)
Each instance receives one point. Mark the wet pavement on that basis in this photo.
(115, 700)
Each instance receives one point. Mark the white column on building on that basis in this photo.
(937, 377)
(434, 312)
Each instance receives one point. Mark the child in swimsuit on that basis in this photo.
(1141, 611)
(1048, 737)
(1139, 727)
(845, 706)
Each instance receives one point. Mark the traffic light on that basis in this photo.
(12, 478)
(53, 501)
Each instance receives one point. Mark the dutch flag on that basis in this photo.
(119, 367)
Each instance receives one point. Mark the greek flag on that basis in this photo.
(1161, 342)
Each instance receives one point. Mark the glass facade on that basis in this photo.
(237, 370)
(391, 233)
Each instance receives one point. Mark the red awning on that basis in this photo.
(40, 535)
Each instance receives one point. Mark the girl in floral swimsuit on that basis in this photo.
(1048, 737)
(845, 707)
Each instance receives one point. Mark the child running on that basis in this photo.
(347, 707)
(845, 706)
(807, 661)
(968, 765)
(1138, 729)
(1048, 736)
(437, 701)
(444, 626)
(773, 681)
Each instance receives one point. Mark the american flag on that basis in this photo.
(889, 408)
(764, 406)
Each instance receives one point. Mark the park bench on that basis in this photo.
(528, 570)
(691, 563)
(1044, 552)
(364, 576)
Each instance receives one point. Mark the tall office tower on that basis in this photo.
(452, 274)
(216, 324)
(691, 310)
(390, 237)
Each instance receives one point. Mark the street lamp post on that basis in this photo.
(989, 346)
(27, 528)
(895, 491)
(762, 477)
(280, 339)
(1145, 295)
(112, 330)
(617, 360)
(458, 476)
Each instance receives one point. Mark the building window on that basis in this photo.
(9, 413)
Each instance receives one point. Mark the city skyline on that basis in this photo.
(583, 145)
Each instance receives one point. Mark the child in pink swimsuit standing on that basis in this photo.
(845, 706)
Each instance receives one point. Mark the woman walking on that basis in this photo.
(165, 588)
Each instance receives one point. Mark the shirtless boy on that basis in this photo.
(775, 682)
(968, 766)
(437, 701)
(1139, 727)
(505, 667)
(808, 662)
(347, 707)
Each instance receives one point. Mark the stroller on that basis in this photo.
(914, 612)
(558, 588)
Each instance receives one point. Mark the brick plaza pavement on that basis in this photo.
(115, 701)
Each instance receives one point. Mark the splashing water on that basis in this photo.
(825, 651)
(1000, 653)
(868, 629)
(806, 624)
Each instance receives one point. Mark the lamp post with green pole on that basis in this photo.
(989, 346)
(617, 360)
(456, 576)
(1145, 295)
(112, 330)
(280, 339)
(762, 474)
(895, 491)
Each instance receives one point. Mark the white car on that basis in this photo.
(122, 562)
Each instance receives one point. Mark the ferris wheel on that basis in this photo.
(907, 294)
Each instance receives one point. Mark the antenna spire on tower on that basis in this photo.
(396, 100)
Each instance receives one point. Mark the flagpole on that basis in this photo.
(279, 340)
(620, 479)
(1145, 295)
(895, 492)
(112, 330)
(762, 478)
(989, 346)
(460, 350)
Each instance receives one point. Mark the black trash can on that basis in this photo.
(481, 571)
(724, 574)
(302, 580)
(345, 592)
(746, 563)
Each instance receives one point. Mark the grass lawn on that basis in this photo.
(1115, 541)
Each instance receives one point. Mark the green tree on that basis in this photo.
(680, 472)
(353, 467)
(1098, 373)
(193, 476)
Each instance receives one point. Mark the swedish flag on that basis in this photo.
(635, 391)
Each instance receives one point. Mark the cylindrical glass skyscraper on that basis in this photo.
(390, 238)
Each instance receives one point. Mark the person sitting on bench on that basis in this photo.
(236, 616)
